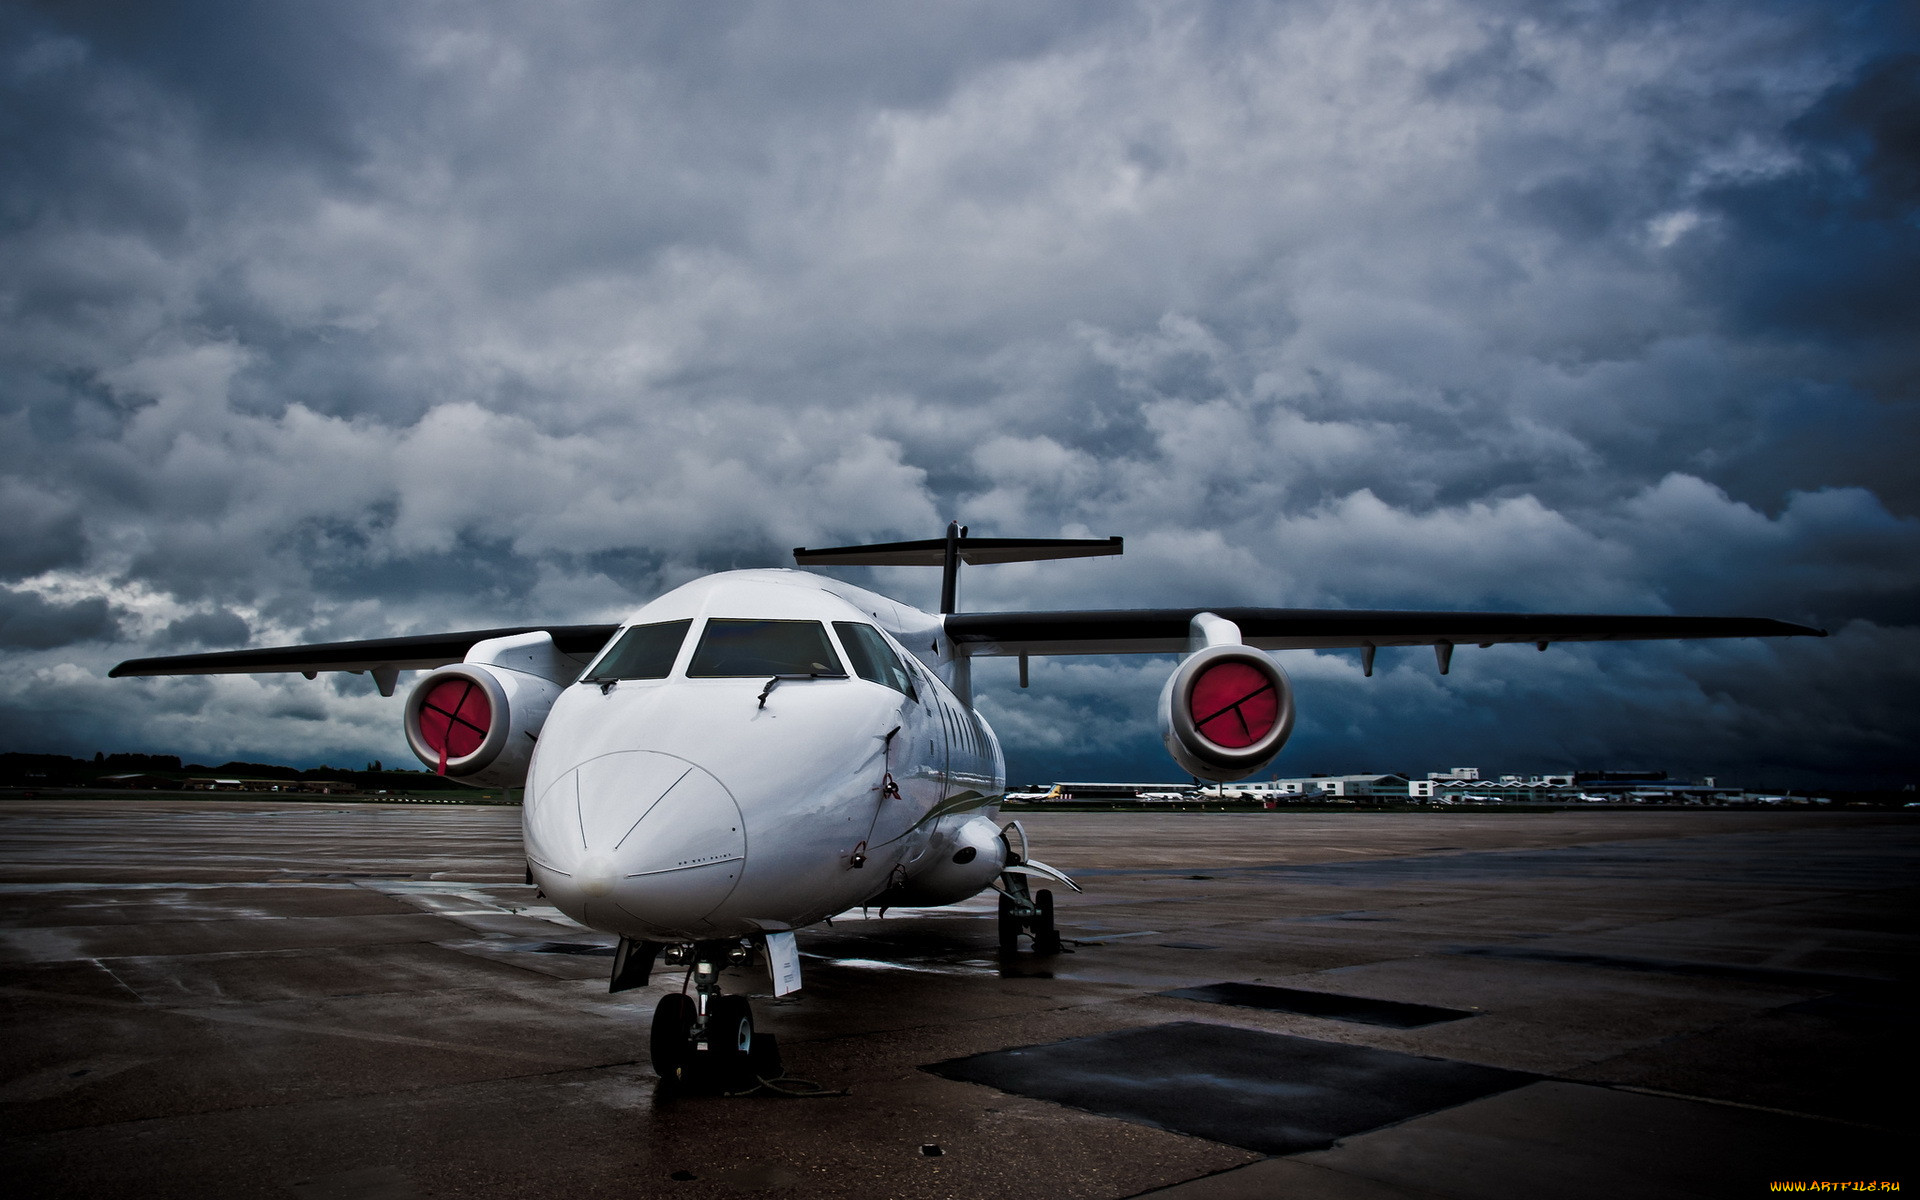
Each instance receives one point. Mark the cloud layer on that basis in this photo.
(353, 319)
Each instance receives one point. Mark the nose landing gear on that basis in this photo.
(706, 1041)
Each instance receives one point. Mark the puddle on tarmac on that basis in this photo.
(972, 966)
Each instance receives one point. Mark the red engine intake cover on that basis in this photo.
(457, 719)
(454, 718)
(1226, 711)
(1234, 704)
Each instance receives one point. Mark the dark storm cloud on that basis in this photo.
(43, 531)
(1830, 249)
(29, 622)
(218, 630)
(340, 320)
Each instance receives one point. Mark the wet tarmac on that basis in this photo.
(364, 1002)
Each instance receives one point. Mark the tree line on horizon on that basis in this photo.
(19, 769)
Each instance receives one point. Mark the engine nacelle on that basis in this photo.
(1226, 712)
(477, 721)
(974, 856)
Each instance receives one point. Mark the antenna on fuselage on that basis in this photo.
(950, 551)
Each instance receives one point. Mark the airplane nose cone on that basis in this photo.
(596, 876)
(651, 841)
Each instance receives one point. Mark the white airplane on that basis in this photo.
(756, 751)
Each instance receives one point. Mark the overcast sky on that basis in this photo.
(335, 320)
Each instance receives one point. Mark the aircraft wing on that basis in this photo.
(379, 654)
(1165, 630)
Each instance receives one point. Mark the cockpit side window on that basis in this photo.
(872, 658)
(737, 647)
(642, 652)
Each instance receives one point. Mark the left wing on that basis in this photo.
(1166, 630)
(385, 657)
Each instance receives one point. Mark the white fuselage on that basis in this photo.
(685, 808)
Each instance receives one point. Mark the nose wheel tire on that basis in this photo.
(723, 1055)
(730, 1032)
(670, 1042)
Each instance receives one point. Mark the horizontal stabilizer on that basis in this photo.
(400, 653)
(932, 552)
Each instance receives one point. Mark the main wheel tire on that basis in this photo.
(1046, 939)
(1009, 925)
(669, 1042)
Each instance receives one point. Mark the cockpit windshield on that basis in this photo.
(643, 652)
(872, 658)
(741, 647)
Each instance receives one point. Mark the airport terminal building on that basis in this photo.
(1460, 785)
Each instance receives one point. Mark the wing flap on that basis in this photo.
(1165, 630)
(400, 653)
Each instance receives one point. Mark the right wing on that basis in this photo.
(1166, 630)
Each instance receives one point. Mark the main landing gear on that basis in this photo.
(1025, 911)
(705, 1041)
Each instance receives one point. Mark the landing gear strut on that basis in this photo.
(1023, 910)
(1026, 911)
(706, 1040)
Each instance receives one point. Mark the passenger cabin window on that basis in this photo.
(642, 652)
(872, 658)
(732, 647)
